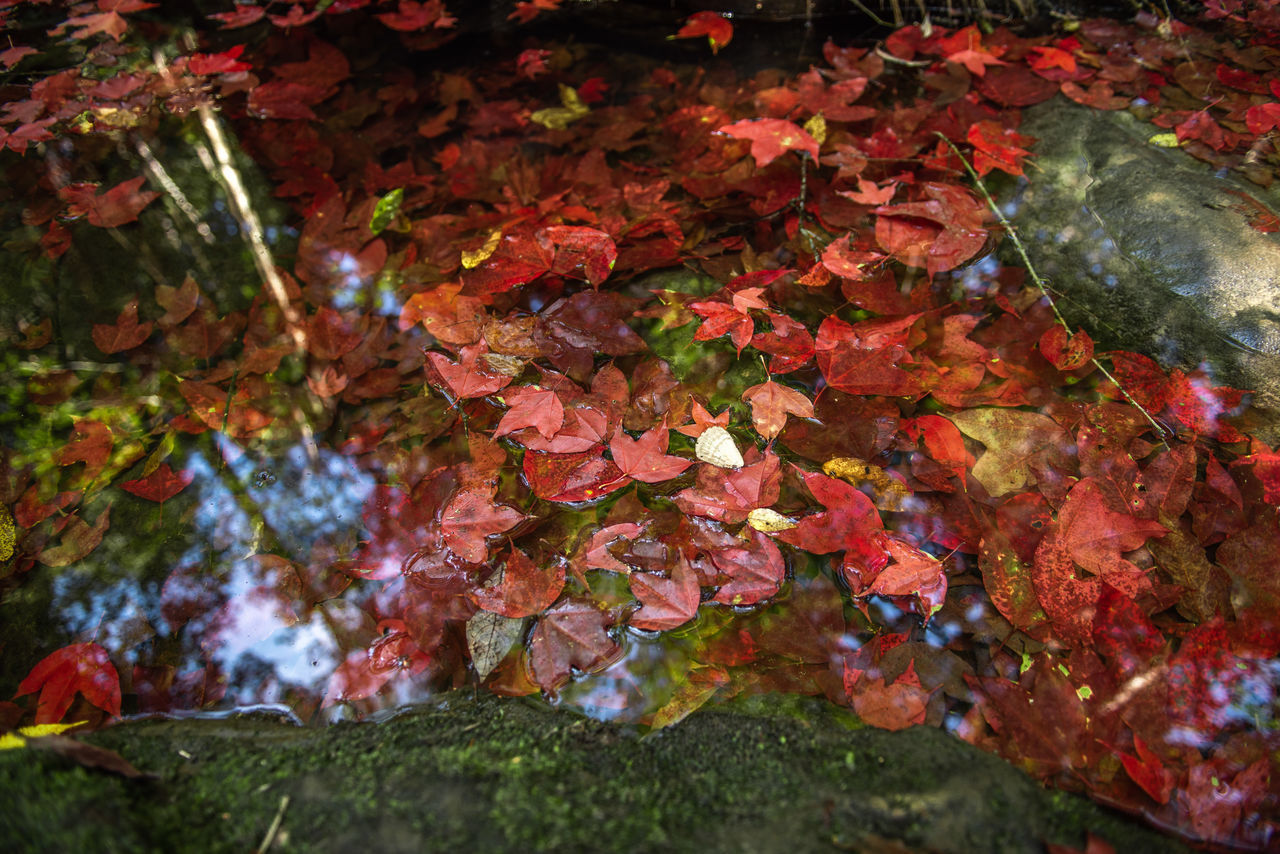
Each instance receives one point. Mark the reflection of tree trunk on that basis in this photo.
(507, 775)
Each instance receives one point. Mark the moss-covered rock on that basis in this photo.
(499, 775)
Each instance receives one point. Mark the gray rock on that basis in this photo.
(1153, 252)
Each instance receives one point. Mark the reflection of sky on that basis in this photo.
(351, 290)
(284, 505)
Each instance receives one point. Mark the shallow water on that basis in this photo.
(296, 476)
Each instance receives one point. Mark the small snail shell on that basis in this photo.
(717, 447)
(768, 520)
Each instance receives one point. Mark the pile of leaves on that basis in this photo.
(840, 451)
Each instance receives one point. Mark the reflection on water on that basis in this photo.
(268, 454)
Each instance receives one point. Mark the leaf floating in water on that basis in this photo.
(386, 211)
(717, 447)
(768, 520)
(490, 636)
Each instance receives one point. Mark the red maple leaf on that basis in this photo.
(330, 335)
(716, 27)
(770, 404)
(646, 459)
(583, 476)
(751, 573)
(945, 230)
(242, 15)
(887, 706)
(226, 62)
(789, 342)
(771, 138)
(1064, 350)
(446, 313)
(11, 57)
(576, 247)
(570, 635)
(412, 16)
(1199, 405)
(965, 47)
(848, 522)
(83, 667)
(90, 443)
(178, 303)
(531, 406)
(702, 419)
(665, 602)
(585, 427)
(1045, 58)
(719, 318)
(470, 518)
(527, 10)
(1096, 536)
(997, 147)
(525, 589)
(79, 538)
(730, 496)
(471, 375)
(119, 205)
(595, 553)
(864, 358)
(913, 578)
(1148, 771)
(161, 485)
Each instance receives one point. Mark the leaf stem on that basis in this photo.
(1161, 430)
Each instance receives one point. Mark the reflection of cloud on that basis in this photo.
(282, 506)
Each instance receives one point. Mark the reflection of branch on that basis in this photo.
(1161, 431)
(243, 209)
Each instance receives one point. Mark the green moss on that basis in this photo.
(769, 774)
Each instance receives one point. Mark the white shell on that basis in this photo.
(768, 520)
(717, 447)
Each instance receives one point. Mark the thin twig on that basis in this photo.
(274, 829)
(1161, 430)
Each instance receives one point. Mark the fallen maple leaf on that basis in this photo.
(864, 358)
(161, 485)
(965, 47)
(715, 26)
(121, 204)
(665, 602)
(887, 706)
(583, 476)
(471, 376)
(1064, 350)
(755, 571)
(848, 521)
(912, 575)
(470, 518)
(570, 635)
(82, 667)
(771, 138)
(525, 589)
(770, 404)
(646, 459)
(1020, 445)
(531, 406)
(125, 334)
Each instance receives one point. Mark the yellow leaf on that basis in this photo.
(559, 118)
(474, 258)
(7, 534)
(816, 127)
(12, 740)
